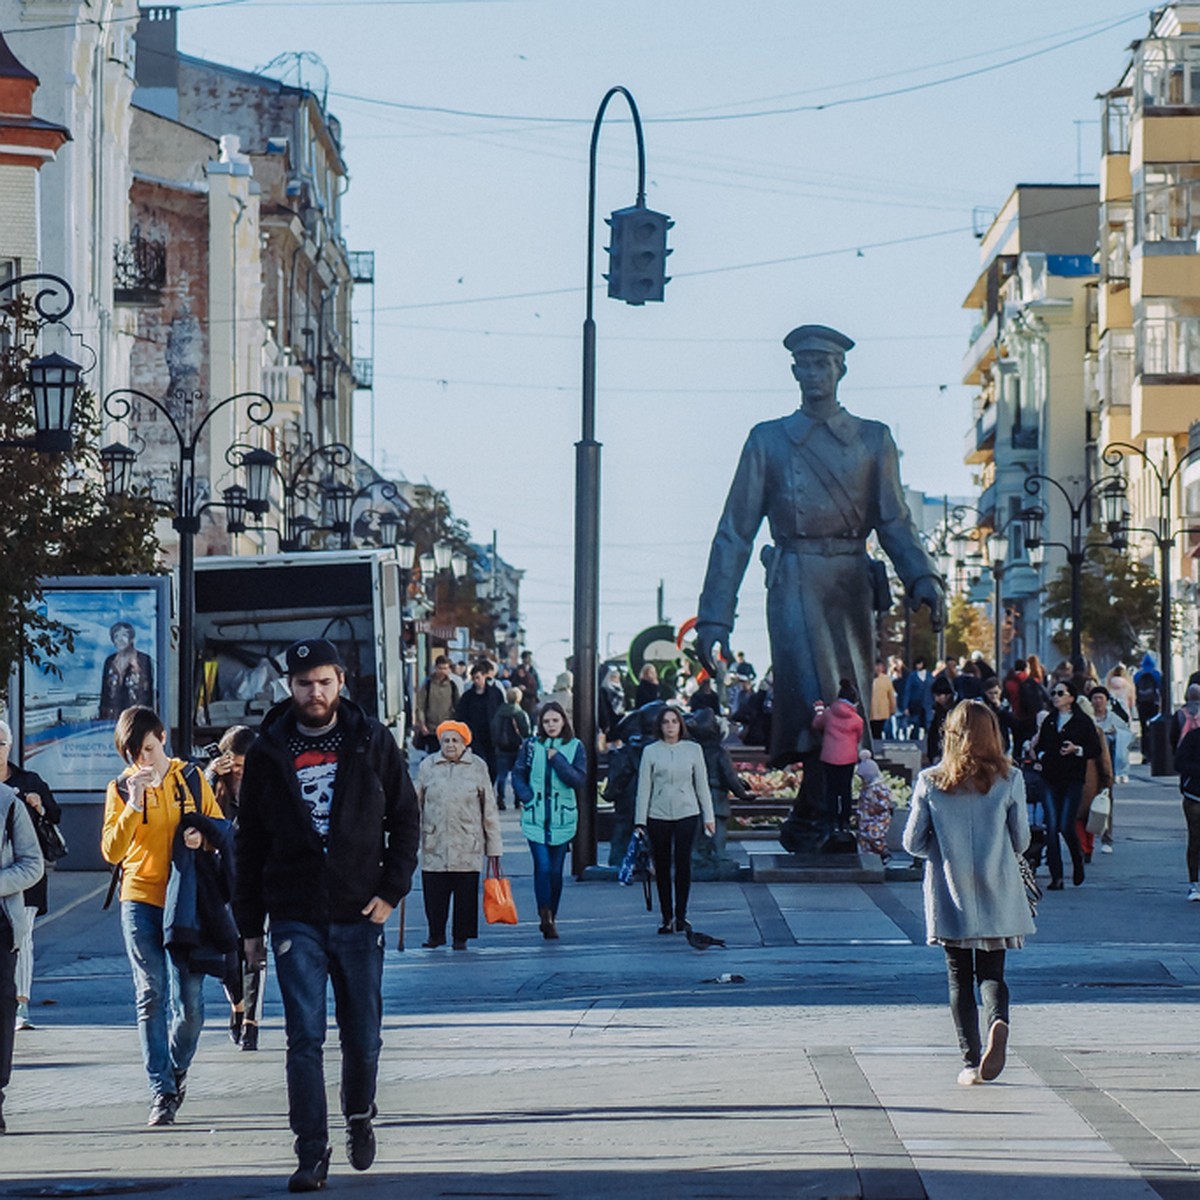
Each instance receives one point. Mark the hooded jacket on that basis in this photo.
(282, 867)
(21, 864)
(842, 728)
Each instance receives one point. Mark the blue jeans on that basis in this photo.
(307, 957)
(1060, 802)
(505, 761)
(548, 873)
(170, 999)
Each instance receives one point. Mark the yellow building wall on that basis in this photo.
(1115, 182)
(1116, 308)
(1165, 275)
(1173, 139)
(1163, 410)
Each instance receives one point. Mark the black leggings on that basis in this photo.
(839, 784)
(1191, 814)
(965, 968)
(675, 838)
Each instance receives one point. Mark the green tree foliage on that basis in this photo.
(1118, 605)
(54, 516)
(967, 628)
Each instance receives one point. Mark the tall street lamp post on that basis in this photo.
(997, 554)
(1110, 487)
(1164, 539)
(637, 262)
(187, 509)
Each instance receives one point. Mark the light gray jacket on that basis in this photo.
(21, 863)
(973, 886)
(460, 821)
(673, 783)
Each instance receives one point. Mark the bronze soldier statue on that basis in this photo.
(824, 480)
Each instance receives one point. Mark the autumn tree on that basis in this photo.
(55, 518)
(967, 628)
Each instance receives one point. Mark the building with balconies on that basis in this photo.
(1026, 355)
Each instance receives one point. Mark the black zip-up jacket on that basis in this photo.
(1187, 763)
(374, 828)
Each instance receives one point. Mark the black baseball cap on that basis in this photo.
(308, 653)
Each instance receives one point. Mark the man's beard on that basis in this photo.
(313, 722)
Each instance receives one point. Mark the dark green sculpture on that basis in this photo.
(824, 480)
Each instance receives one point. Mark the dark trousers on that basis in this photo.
(1191, 814)
(877, 729)
(548, 862)
(1060, 802)
(965, 969)
(673, 840)
(8, 1001)
(839, 782)
(307, 959)
(438, 888)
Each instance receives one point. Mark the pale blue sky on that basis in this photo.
(481, 396)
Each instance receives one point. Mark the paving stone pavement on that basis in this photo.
(613, 1063)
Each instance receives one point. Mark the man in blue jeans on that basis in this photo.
(327, 840)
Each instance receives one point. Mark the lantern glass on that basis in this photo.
(1037, 555)
(116, 460)
(1112, 502)
(259, 466)
(54, 382)
(236, 498)
(1032, 519)
(459, 564)
(406, 554)
(998, 546)
(443, 552)
(960, 546)
(389, 529)
(428, 566)
(338, 500)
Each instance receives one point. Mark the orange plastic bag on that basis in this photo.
(499, 907)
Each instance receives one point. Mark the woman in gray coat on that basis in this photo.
(968, 821)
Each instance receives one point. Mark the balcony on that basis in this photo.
(1025, 438)
(139, 271)
(364, 374)
(987, 504)
(362, 265)
(981, 437)
(982, 353)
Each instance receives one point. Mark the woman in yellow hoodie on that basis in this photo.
(142, 812)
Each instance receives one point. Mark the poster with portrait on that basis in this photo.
(69, 709)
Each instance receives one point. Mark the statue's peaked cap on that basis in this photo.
(817, 337)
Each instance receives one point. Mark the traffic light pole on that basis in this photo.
(585, 661)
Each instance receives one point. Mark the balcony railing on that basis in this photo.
(139, 271)
(364, 374)
(362, 265)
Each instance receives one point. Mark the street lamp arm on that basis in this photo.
(258, 411)
(57, 292)
(1033, 487)
(959, 513)
(1156, 534)
(338, 454)
(118, 405)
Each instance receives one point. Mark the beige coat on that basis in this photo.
(460, 822)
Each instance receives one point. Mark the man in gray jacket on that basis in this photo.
(21, 867)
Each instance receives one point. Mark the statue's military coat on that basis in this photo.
(823, 486)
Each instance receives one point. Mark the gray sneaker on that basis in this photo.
(1194, 891)
(360, 1140)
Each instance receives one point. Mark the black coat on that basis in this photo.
(476, 710)
(1187, 763)
(374, 828)
(21, 782)
(1071, 768)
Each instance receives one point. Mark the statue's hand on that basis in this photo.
(930, 591)
(709, 636)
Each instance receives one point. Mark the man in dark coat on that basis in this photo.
(824, 480)
(328, 829)
(476, 708)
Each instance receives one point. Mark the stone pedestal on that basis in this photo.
(816, 868)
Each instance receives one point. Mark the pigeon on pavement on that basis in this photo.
(702, 941)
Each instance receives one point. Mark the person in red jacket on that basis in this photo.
(841, 726)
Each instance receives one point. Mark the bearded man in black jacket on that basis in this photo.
(326, 847)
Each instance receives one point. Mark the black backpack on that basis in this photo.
(508, 736)
(1147, 692)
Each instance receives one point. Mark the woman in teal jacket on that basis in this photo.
(551, 766)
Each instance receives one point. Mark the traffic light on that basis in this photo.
(637, 254)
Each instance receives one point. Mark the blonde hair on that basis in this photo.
(973, 750)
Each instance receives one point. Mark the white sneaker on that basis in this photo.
(968, 1075)
(1194, 891)
(1106, 848)
(23, 1021)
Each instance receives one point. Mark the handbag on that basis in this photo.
(1100, 811)
(499, 907)
(1033, 893)
(50, 838)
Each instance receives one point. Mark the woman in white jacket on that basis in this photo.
(969, 822)
(672, 797)
(21, 867)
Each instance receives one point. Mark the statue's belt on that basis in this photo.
(821, 545)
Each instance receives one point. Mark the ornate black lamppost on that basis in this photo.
(186, 510)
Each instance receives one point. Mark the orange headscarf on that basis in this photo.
(455, 727)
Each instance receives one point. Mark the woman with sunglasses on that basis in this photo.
(1065, 743)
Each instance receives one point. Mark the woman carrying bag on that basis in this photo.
(460, 823)
(969, 822)
(551, 768)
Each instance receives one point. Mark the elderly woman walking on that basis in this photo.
(460, 823)
(968, 821)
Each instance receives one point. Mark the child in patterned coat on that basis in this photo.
(874, 807)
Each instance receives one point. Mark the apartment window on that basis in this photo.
(1116, 366)
(1117, 235)
(1170, 73)
(1115, 128)
(1167, 337)
(1169, 203)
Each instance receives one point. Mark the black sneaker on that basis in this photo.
(250, 1036)
(180, 1089)
(162, 1111)
(360, 1140)
(236, 1020)
(310, 1176)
